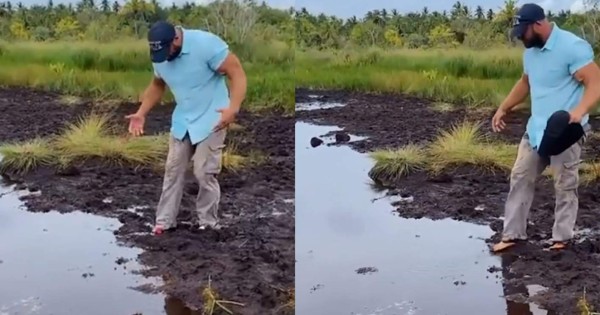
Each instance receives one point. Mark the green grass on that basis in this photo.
(123, 70)
(462, 145)
(456, 76)
(93, 137)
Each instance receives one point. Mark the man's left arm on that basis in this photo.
(585, 70)
(232, 68)
(225, 62)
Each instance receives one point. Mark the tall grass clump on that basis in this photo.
(465, 144)
(26, 156)
(462, 145)
(392, 164)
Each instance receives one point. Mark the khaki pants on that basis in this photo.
(528, 166)
(206, 157)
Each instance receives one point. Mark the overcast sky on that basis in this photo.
(348, 8)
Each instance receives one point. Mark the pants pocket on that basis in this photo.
(568, 176)
(214, 160)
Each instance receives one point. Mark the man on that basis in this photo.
(193, 63)
(560, 73)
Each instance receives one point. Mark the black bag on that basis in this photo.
(559, 134)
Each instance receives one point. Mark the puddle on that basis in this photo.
(356, 256)
(52, 263)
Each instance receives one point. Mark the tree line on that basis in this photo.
(461, 25)
(109, 20)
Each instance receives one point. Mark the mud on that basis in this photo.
(251, 261)
(473, 196)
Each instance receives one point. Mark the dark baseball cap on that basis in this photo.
(160, 37)
(528, 14)
(559, 134)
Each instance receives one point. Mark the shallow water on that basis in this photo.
(52, 263)
(408, 265)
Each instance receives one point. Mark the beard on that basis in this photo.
(174, 54)
(536, 41)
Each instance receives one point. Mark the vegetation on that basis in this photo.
(95, 138)
(99, 49)
(462, 145)
(461, 56)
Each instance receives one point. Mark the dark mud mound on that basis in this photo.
(251, 261)
(471, 195)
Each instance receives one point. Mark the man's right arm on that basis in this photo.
(152, 95)
(517, 95)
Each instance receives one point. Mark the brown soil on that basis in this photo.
(251, 261)
(396, 120)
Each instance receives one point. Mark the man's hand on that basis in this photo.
(576, 116)
(136, 124)
(228, 115)
(498, 123)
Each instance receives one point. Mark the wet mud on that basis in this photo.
(391, 121)
(251, 261)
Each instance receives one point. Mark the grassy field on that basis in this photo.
(457, 76)
(123, 69)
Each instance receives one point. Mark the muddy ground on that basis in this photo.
(396, 120)
(250, 261)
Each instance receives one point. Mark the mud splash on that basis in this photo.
(343, 226)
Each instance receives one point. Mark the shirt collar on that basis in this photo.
(185, 47)
(552, 38)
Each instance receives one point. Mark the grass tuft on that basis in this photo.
(462, 145)
(392, 164)
(93, 137)
(465, 144)
(23, 157)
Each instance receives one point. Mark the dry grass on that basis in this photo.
(465, 144)
(211, 300)
(584, 307)
(462, 145)
(26, 156)
(391, 165)
(94, 137)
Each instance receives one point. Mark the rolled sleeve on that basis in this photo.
(581, 54)
(217, 51)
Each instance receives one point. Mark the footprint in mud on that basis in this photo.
(456, 283)
(366, 270)
(88, 274)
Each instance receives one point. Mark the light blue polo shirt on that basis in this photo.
(552, 85)
(198, 88)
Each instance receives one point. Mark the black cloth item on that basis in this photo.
(559, 134)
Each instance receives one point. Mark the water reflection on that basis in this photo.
(343, 226)
(175, 306)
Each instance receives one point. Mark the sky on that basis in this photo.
(348, 8)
